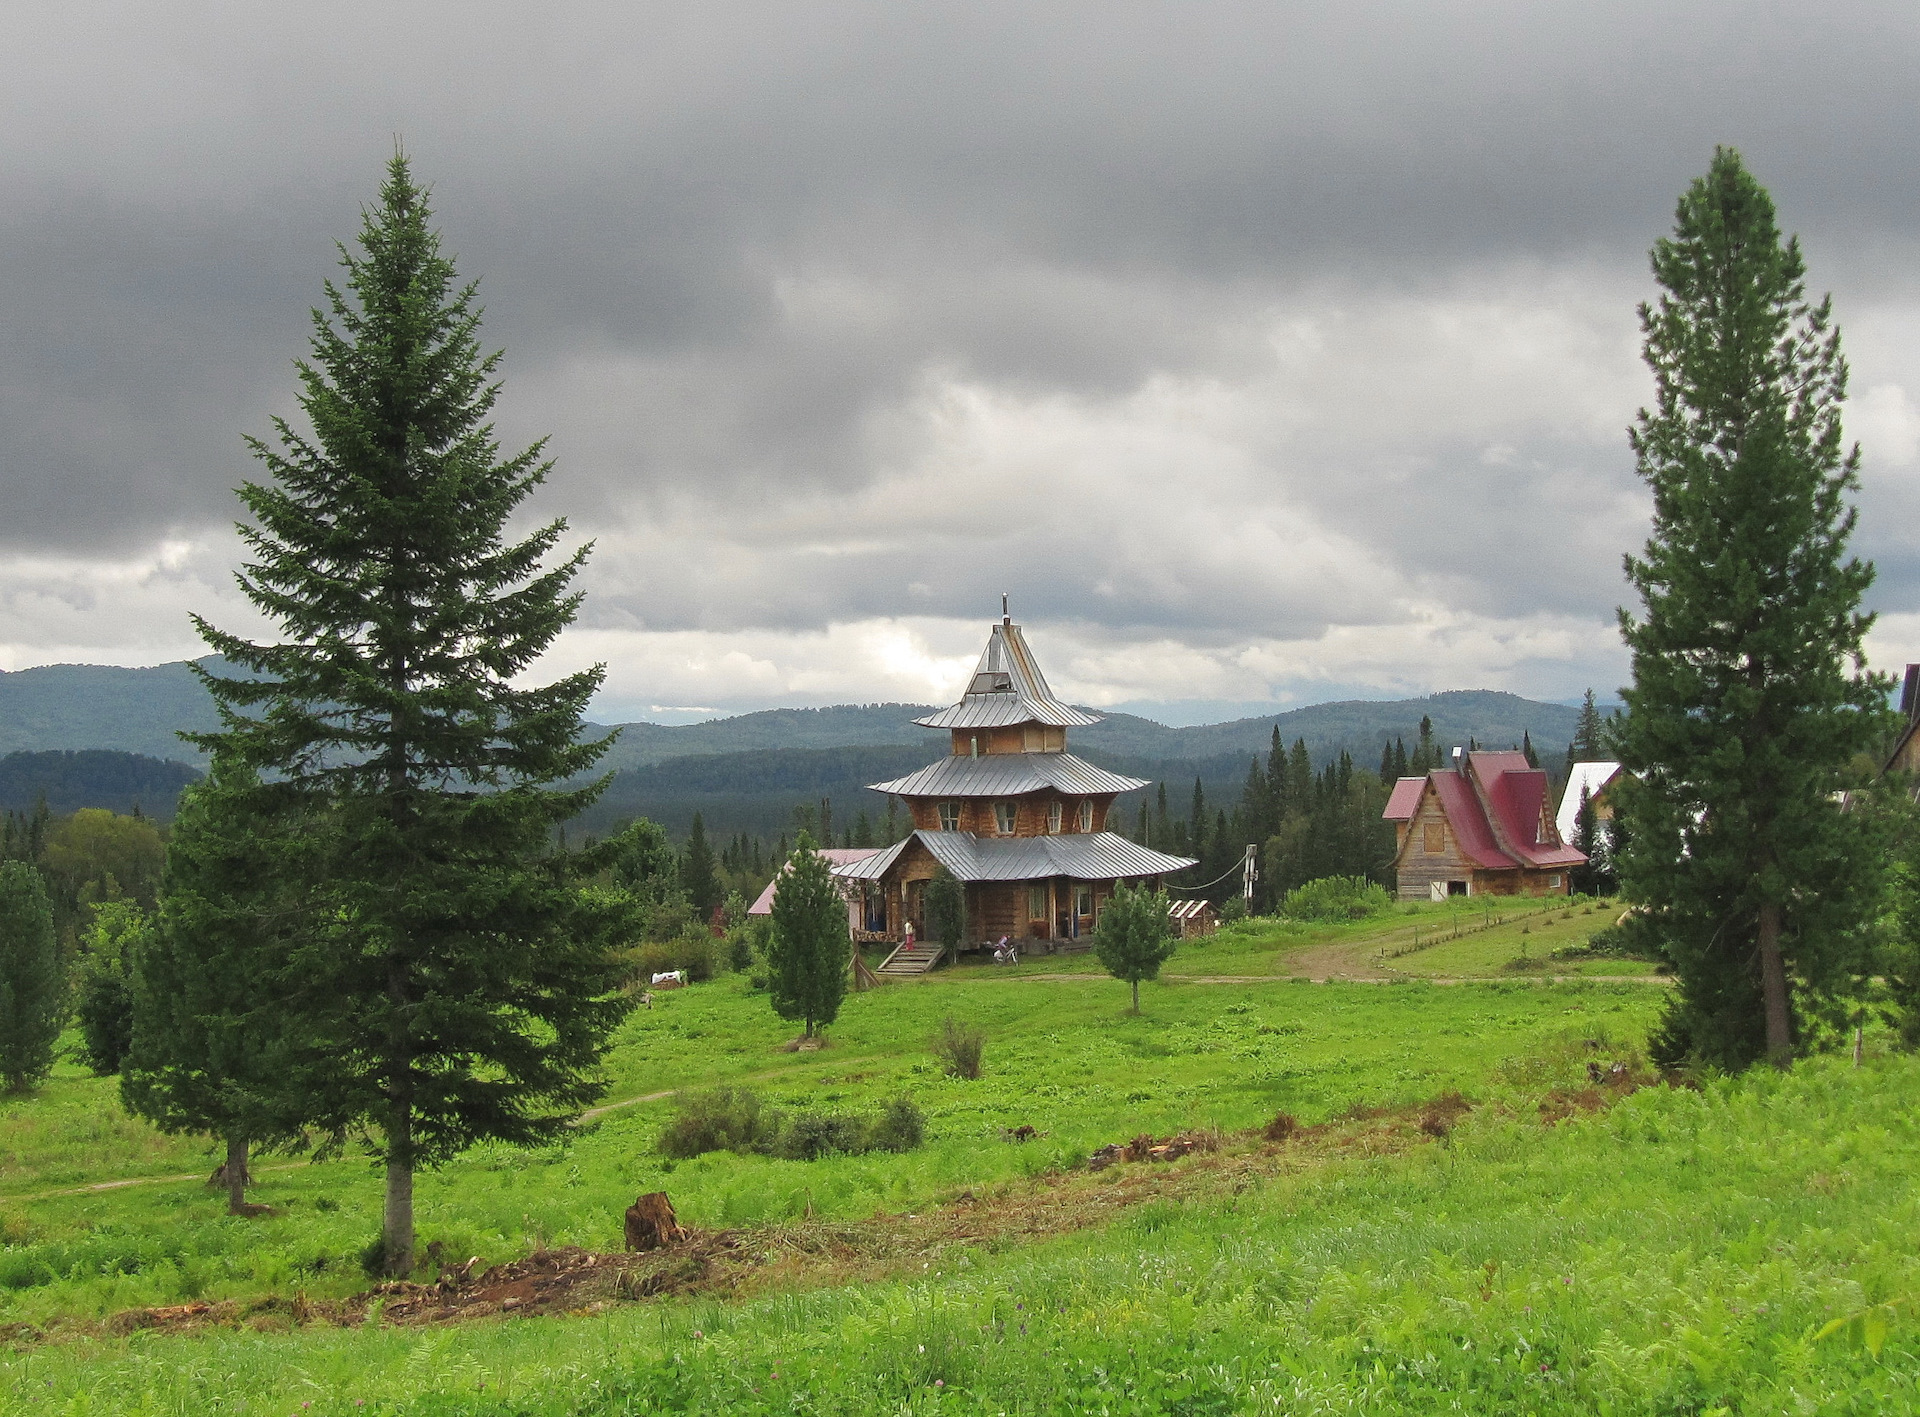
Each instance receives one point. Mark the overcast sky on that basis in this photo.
(1265, 353)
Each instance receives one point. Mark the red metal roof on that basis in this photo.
(1462, 806)
(1404, 799)
(1517, 795)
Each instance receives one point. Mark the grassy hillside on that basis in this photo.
(1464, 1222)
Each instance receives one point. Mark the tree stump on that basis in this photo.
(651, 1223)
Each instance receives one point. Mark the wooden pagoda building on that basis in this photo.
(1011, 814)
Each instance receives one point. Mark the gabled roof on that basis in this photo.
(1404, 799)
(1586, 778)
(1470, 826)
(1008, 688)
(1089, 856)
(1008, 775)
(1515, 793)
(837, 856)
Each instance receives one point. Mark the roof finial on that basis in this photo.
(1006, 615)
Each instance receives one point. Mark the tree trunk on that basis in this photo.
(1773, 988)
(1136, 996)
(397, 1224)
(236, 1169)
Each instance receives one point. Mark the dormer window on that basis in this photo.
(1005, 816)
(1086, 816)
(949, 816)
(1054, 813)
(989, 681)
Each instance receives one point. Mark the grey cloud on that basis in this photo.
(728, 248)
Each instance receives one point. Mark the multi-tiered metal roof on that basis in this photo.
(1008, 688)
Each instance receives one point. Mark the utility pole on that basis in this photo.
(1249, 873)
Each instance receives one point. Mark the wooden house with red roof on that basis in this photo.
(1483, 827)
(1011, 814)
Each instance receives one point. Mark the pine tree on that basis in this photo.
(465, 988)
(1197, 823)
(210, 1047)
(696, 870)
(1426, 756)
(103, 983)
(1133, 938)
(1588, 737)
(32, 989)
(1526, 749)
(1749, 693)
(808, 955)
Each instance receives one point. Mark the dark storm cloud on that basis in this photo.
(792, 286)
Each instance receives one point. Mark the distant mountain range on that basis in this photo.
(747, 773)
(92, 777)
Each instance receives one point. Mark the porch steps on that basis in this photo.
(916, 958)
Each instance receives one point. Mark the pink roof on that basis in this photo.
(836, 856)
(1404, 799)
(1469, 823)
(1517, 795)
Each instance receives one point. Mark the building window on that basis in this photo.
(1083, 901)
(1433, 838)
(1005, 816)
(1553, 882)
(1086, 816)
(1054, 813)
(1037, 902)
(949, 816)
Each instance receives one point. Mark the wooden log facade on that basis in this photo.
(1480, 828)
(1010, 813)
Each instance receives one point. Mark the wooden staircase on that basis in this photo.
(916, 958)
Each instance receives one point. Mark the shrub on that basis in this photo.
(724, 1119)
(738, 950)
(692, 951)
(960, 1047)
(734, 1119)
(1234, 911)
(1334, 898)
(899, 1128)
(811, 1136)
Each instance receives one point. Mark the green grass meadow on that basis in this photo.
(1676, 1253)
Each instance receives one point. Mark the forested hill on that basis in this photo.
(93, 777)
(73, 706)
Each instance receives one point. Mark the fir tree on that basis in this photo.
(1588, 734)
(1426, 756)
(808, 954)
(947, 911)
(1749, 693)
(465, 989)
(103, 985)
(1526, 749)
(696, 870)
(32, 989)
(1133, 938)
(214, 1006)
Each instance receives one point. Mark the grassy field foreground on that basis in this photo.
(1676, 1253)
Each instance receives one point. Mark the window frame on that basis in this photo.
(949, 815)
(1056, 816)
(1433, 838)
(1006, 816)
(1083, 819)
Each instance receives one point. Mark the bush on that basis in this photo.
(946, 911)
(899, 1128)
(811, 1136)
(692, 951)
(738, 950)
(1336, 898)
(734, 1119)
(1234, 911)
(960, 1047)
(724, 1119)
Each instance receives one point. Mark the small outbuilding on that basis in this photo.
(1193, 918)
(1591, 780)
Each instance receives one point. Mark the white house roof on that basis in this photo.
(1008, 688)
(1586, 778)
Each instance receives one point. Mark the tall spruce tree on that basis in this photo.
(808, 954)
(696, 870)
(213, 1041)
(465, 989)
(1749, 692)
(33, 991)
